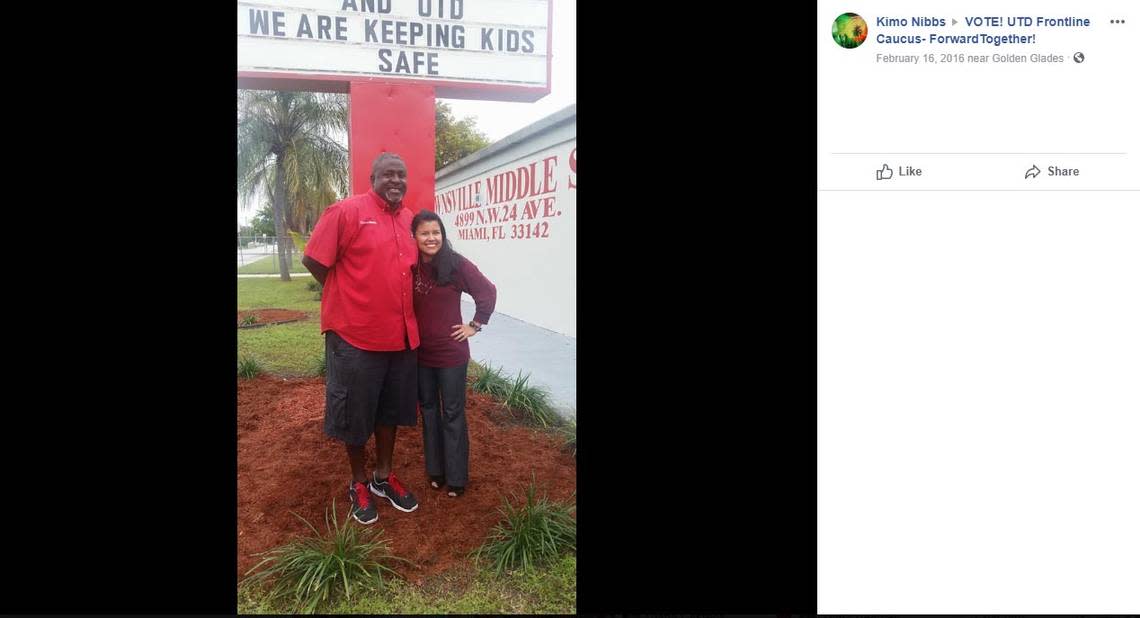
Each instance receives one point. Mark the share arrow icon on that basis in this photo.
(1032, 172)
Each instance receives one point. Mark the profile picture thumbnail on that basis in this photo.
(849, 30)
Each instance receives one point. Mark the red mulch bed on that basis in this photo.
(286, 463)
(264, 317)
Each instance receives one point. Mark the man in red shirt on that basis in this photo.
(362, 252)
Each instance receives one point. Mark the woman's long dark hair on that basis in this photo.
(446, 260)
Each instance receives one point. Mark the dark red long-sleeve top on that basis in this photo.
(437, 311)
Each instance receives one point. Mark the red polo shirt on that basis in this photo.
(369, 251)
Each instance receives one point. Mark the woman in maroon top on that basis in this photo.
(441, 276)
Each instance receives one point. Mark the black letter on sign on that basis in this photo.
(385, 63)
(278, 23)
(303, 28)
(258, 20)
(402, 64)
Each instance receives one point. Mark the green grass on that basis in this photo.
(489, 380)
(315, 286)
(318, 365)
(547, 590)
(343, 562)
(555, 587)
(266, 292)
(248, 366)
(269, 265)
(569, 434)
(535, 532)
(473, 368)
(532, 402)
(283, 349)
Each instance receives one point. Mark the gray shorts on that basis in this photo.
(365, 389)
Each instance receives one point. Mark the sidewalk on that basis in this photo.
(549, 357)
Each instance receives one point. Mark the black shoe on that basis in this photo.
(437, 482)
(391, 489)
(455, 492)
(363, 510)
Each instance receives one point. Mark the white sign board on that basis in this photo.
(495, 43)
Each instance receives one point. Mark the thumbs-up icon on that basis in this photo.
(884, 174)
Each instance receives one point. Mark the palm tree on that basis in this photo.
(288, 149)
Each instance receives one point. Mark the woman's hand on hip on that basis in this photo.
(461, 332)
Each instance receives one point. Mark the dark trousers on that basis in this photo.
(443, 399)
(365, 389)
